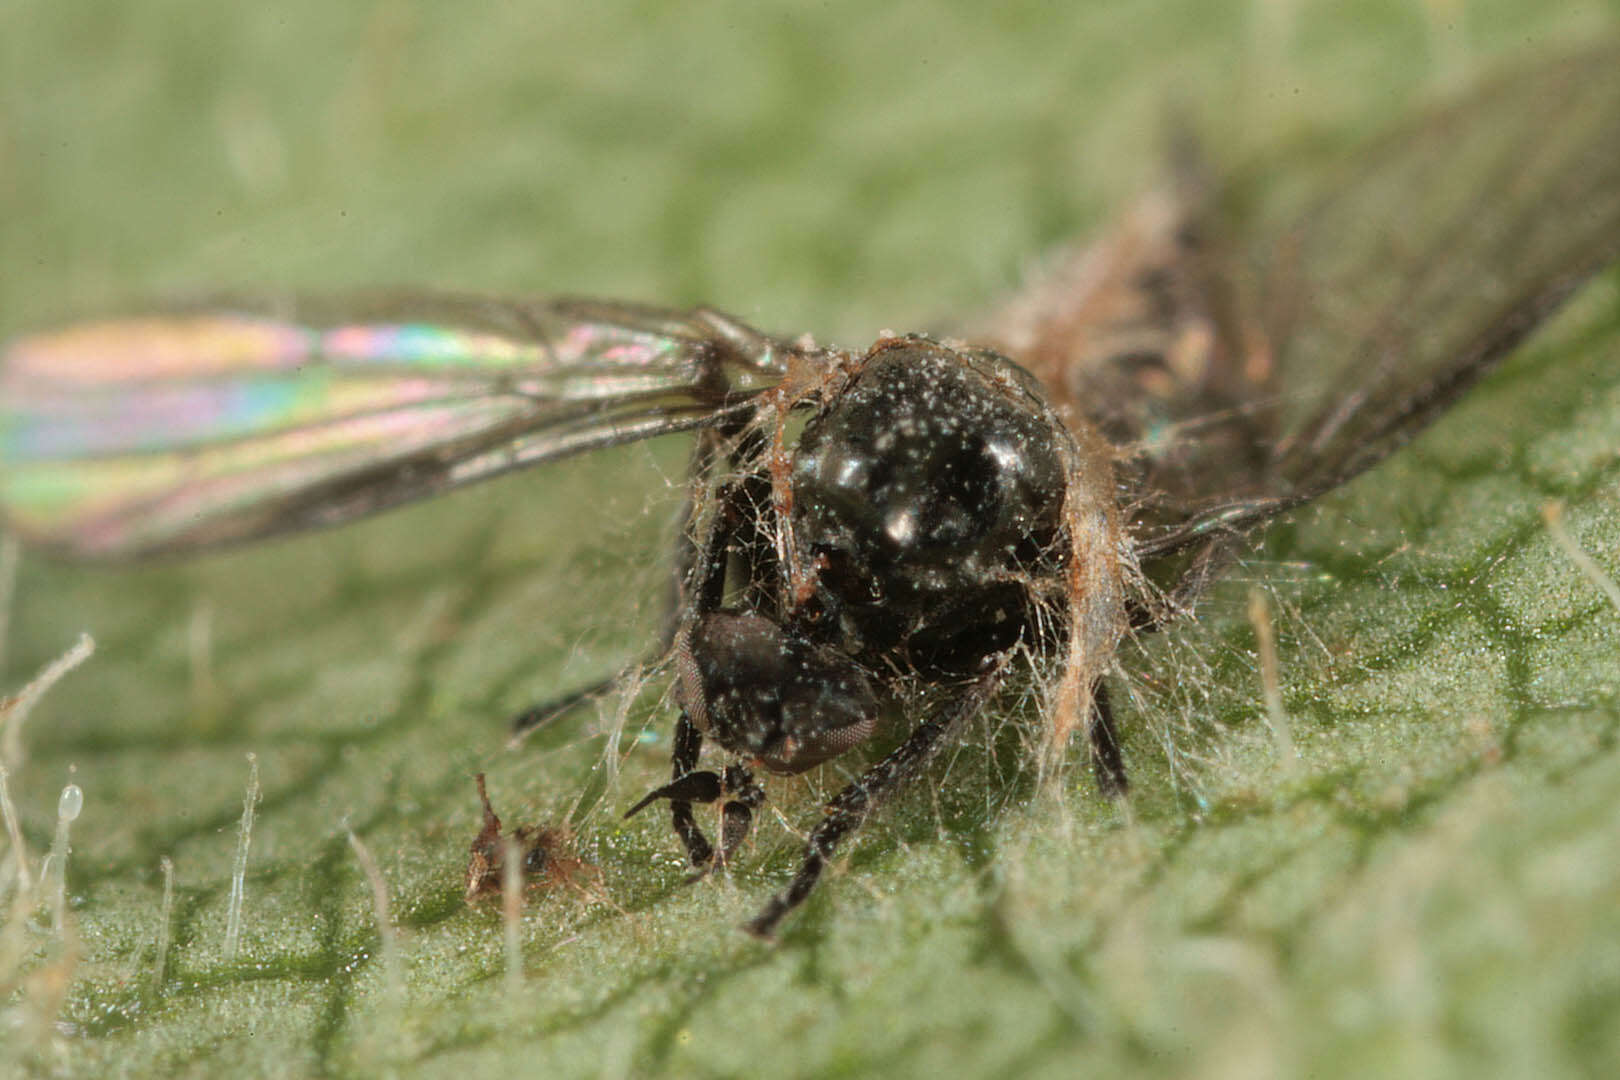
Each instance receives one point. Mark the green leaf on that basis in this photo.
(1431, 893)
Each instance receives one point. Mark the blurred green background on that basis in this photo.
(1434, 895)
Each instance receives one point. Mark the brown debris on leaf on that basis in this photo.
(544, 851)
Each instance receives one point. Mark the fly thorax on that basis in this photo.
(925, 498)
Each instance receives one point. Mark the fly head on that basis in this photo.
(769, 695)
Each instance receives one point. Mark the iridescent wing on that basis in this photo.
(145, 436)
(1245, 368)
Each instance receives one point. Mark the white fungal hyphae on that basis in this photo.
(244, 837)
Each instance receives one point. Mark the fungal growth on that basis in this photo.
(881, 531)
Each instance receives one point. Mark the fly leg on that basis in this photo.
(538, 716)
(685, 789)
(708, 575)
(703, 586)
(737, 816)
(851, 807)
(688, 787)
(1107, 763)
(688, 741)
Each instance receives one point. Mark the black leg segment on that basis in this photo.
(1106, 760)
(688, 741)
(850, 808)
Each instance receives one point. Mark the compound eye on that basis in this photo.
(823, 717)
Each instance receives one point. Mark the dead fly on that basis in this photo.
(943, 508)
(543, 852)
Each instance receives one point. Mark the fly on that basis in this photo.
(893, 525)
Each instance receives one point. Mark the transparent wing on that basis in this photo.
(143, 436)
(1427, 260)
(1243, 367)
(1447, 249)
